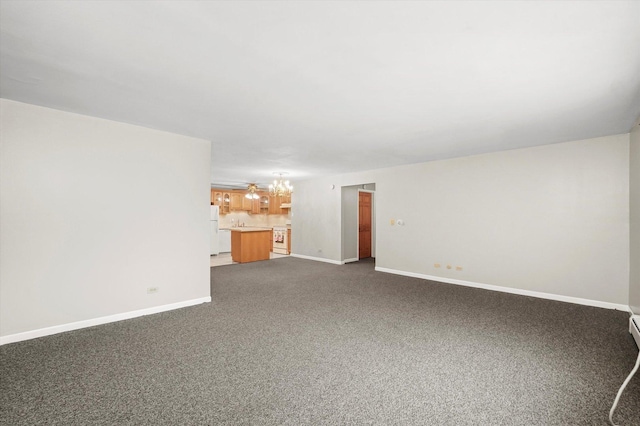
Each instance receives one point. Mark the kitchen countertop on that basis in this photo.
(249, 229)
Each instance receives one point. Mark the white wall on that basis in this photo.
(551, 219)
(92, 213)
(634, 191)
(316, 216)
(316, 224)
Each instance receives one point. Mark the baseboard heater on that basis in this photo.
(634, 329)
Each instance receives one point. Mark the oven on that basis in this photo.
(280, 240)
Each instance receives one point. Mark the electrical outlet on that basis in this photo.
(151, 290)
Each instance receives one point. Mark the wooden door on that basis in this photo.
(364, 225)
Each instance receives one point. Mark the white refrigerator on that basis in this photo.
(214, 241)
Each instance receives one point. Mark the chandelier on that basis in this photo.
(280, 188)
(252, 188)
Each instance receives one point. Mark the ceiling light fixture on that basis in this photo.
(279, 187)
(252, 188)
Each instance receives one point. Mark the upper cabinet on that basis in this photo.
(285, 202)
(274, 204)
(255, 204)
(226, 202)
(279, 205)
(220, 199)
(235, 201)
(247, 203)
(264, 204)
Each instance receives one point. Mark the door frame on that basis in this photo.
(373, 222)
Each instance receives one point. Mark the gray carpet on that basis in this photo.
(291, 341)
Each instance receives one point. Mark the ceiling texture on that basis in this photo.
(320, 88)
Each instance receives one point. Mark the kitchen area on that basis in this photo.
(249, 225)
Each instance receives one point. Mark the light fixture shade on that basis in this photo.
(251, 194)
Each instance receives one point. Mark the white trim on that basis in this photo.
(317, 259)
(541, 295)
(33, 334)
(353, 259)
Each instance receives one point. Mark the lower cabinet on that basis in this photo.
(224, 236)
(250, 245)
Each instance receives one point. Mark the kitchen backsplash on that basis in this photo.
(261, 220)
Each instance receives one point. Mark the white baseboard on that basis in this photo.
(541, 295)
(27, 335)
(317, 259)
(354, 259)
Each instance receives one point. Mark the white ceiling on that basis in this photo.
(317, 88)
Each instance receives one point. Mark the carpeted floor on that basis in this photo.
(292, 341)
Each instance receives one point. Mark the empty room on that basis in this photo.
(319, 212)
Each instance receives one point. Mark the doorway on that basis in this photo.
(364, 224)
(351, 220)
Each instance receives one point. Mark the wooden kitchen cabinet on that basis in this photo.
(222, 199)
(274, 205)
(289, 241)
(250, 244)
(236, 201)
(225, 203)
(216, 198)
(247, 203)
(264, 204)
(255, 204)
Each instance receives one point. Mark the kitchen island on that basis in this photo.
(250, 244)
